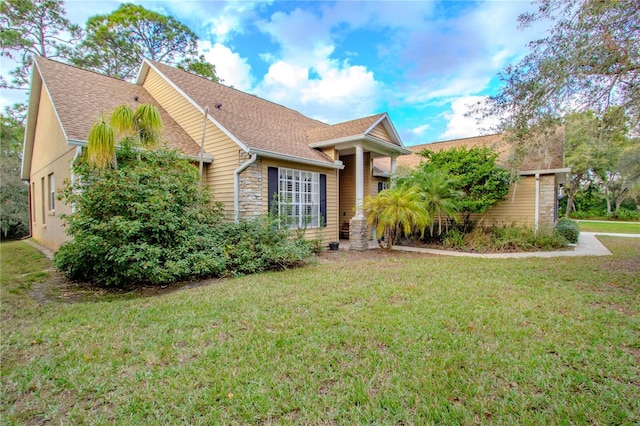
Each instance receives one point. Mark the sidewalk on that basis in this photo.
(588, 245)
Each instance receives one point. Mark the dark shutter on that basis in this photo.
(323, 199)
(272, 184)
(380, 188)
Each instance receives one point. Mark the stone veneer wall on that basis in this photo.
(546, 212)
(250, 185)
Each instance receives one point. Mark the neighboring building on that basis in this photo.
(253, 148)
(533, 198)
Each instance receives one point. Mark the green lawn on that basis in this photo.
(398, 338)
(614, 227)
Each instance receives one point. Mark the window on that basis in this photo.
(52, 192)
(299, 198)
(33, 202)
(382, 186)
(43, 197)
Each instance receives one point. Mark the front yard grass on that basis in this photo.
(407, 338)
(613, 227)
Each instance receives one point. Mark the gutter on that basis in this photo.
(207, 158)
(236, 185)
(285, 157)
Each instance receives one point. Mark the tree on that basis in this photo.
(600, 153)
(14, 194)
(141, 128)
(589, 60)
(397, 210)
(117, 43)
(475, 174)
(34, 27)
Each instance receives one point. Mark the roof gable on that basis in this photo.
(82, 97)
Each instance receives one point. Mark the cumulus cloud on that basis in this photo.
(459, 125)
(230, 67)
(304, 76)
(420, 129)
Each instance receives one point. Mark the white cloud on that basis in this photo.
(305, 77)
(230, 67)
(339, 92)
(420, 129)
(460, 125)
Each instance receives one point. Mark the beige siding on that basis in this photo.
(219, 145)
(53, 158)
(373, 188)
(518, 208)
(328, 233)
(347, 193)
(380, 132)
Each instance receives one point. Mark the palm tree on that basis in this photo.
(442, 201)
(396, 210)
(143, 127)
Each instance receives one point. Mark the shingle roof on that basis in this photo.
(82, 97)
(255, 122)
(341, 130)
(548, 156)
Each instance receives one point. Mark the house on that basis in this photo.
(533, 197)
(253, 149)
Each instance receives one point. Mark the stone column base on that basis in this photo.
(358, 234)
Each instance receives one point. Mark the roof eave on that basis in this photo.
(207, 158)
(353, 140)
(286, 157)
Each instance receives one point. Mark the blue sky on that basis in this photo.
(422, 62)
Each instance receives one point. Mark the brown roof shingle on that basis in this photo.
(255, 122)
(341, 130)
(82, 97)
(542, 154)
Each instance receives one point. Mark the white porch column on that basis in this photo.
(394, 166)
(359, 181)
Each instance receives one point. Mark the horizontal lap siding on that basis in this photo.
(518, 209)
(219, 174)
(328, 233)
(52, 155)
(380, 132)
(347, 194)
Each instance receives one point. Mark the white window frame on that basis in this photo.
(299, 198)
(51, 186)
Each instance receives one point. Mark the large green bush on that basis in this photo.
(148, 222)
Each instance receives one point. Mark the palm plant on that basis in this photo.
(395, 211)
(442, 201)
(142, 127)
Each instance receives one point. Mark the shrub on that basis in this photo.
(147, 222)
(568, 229)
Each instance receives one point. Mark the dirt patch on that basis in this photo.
(630, 265)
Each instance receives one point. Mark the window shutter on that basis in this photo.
(380, 186)
(272, 185)
(323, 199)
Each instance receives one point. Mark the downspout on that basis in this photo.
(204, 129)
(537, 203)
(236, 185)
(73, 175)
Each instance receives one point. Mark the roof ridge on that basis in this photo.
(39, 58)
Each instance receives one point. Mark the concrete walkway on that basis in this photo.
(588, 245)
